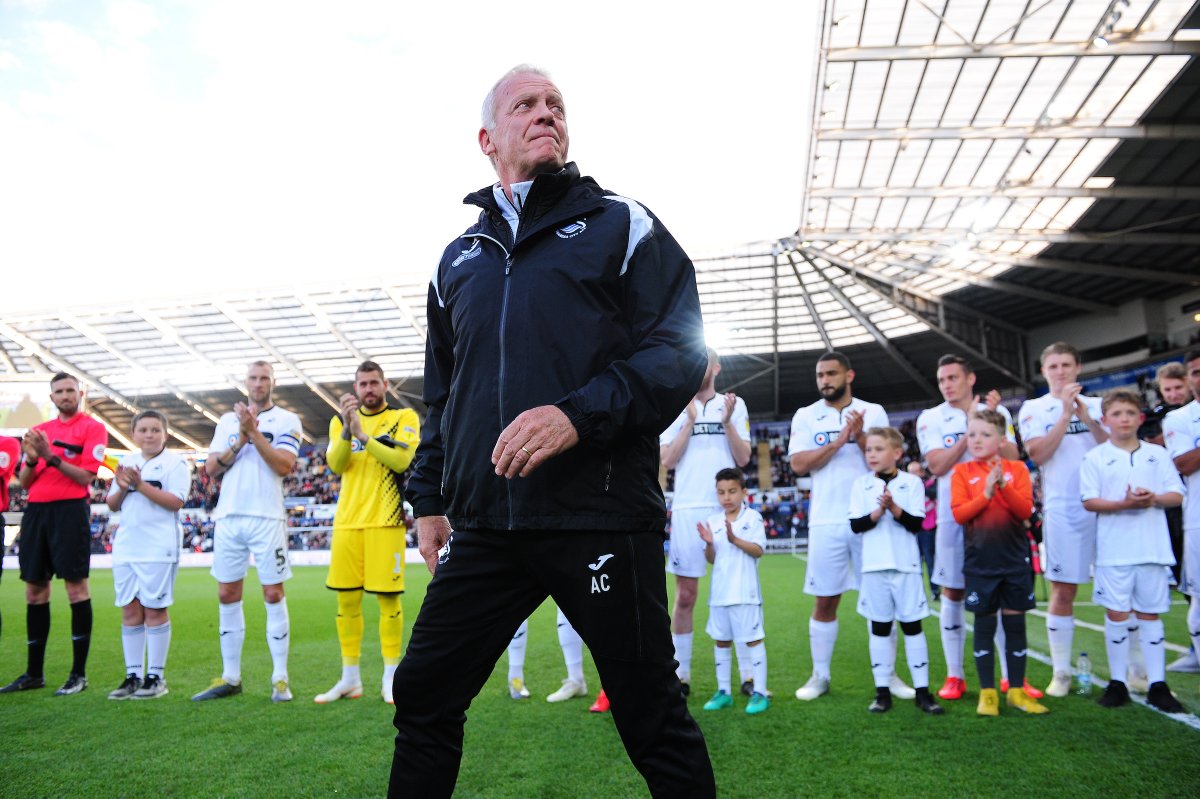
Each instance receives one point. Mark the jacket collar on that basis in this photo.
(564, 193)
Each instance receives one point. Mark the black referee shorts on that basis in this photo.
(55, 541)
(987, 595)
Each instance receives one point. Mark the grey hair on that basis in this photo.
(489, 102)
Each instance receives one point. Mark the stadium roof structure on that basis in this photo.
(977, 168)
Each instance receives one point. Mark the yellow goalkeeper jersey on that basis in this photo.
(373, 476)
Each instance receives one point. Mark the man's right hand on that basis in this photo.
(432, 534)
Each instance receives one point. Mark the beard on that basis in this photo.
(832, 394)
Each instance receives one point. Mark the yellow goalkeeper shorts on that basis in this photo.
(370, 558)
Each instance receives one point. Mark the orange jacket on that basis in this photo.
(993, 529)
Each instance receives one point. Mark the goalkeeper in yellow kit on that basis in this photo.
(370, 446)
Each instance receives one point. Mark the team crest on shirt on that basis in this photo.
(98, 452)
(473, 251)
(973, 598)
(4, 460)
(572, 230)
(70, 454)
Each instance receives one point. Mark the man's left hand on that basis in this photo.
(39, 443)
(533, 438)
(730, 405)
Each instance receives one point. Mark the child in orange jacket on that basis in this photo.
(992, 498)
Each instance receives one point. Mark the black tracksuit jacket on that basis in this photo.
(592, 308)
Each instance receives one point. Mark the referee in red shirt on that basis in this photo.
(62, 457)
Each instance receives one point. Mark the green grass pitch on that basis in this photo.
(87, 746)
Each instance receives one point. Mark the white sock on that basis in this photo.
(758, 661)
(1153, 640)
(232, 627)
(822, 635)
(1001, 640)
(745, 660)
(572, 648)
(277, 638)
(916, 650)
(1116, 643)
(1193, 623)
(133, 642)
(158, 641)
(722, 656)
(1061, 631)
(1137, 661)
(683, 653)
(389, 672)
(351, 675)
(954, 635)
(516, 652)
(883, 659)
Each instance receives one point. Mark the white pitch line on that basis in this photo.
(1189, 719)
(1097, 628)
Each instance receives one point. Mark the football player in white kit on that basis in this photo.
(711, 434)
(942, 436)
(254, 447)
(148, 490)
(827, 442)
(1058, 430)
(1181, 434)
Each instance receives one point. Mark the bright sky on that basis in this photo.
(165, 148)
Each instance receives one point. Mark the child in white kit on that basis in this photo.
(149, 488)
(734, 540)
(1128, 483)
(887, 507)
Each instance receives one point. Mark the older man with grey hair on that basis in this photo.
(564, 335)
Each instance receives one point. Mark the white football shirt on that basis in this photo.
(813, 427)
(249, 487)
(1181, 434)
(941, 427)
(707, 451)
(147, 532)
(735, 574)
(1060, 474)
(887, 545)
(1130, 537)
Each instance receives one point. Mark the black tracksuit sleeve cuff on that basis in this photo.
(428, 506)
(910, 522)
(862, 524)
(578, 420)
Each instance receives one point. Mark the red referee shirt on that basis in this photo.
(83, 433)
(10, 456)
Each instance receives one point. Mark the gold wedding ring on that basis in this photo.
(527, 452)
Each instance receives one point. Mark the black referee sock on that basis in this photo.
(1015, 644)
(81, 634)
(37, 626)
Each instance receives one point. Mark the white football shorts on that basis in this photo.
(239, 537)
(1069, 532)
(834, 560)
(152, 584)
(1145, 588)
(892, 595)
(739, 623)
(685, 553)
